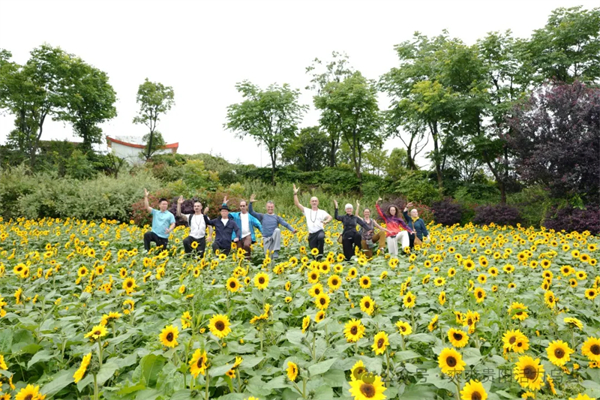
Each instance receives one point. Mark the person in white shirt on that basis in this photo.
(247, 224)
(198, 225)
(315, 222)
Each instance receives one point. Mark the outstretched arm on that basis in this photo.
(179, 201)
(146, 205)
(379, 210)
(256, 215)
(296, 202)
(357, 213)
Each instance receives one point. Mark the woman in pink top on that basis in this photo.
(397, 230)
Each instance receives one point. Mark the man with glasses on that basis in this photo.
(247, 224)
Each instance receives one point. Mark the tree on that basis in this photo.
(556, 138)
(153, 143)
(268, 116)
(336, 70)
(307, 151)
(567, 48)
(350, 108)
(32, 93)
(154, 99)
(90, 101)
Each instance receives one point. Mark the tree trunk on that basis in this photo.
(438, 169)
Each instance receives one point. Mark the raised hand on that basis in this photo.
(379, 199)
(206, 210)
(225, 200)
(357, 204)
(252, 198)
(295, 189)
(180, 200)
(146, 193)
(335, 203)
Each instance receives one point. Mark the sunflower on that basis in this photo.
(3, 365)
(198, 363)
(442, 298)
(111, 316)
(511, 337)
(450, 362)
(233, 285)
(82, 271)
(439, 281)
(404, 328)
(288, 286)
(128, 306)
(529, 373)
(313, 277)
(365, 282)
(479, 294)
(358, 370)
(96, 333)
(29, 392)
(458, 338)
(550, 299)
(186, 320)
(559, 352)
(219, 325)
(368, 389)
(334, 282)
(123, 273)
(451, 272)
(591, 349)
(129, 285)
(469, 264)
(316, 290)
(354, 330)
(78, 375)
(223, 256)
(367, 305)
(433, 324)
(292, 371)
(261, 280)
(582, 397)
(320, 316)
(322, 301)
(168, 336)
(352, 272)
(314, 251)
(380, 342)
(493, 271)
(409, 300)
(473, 390)
(305, 323)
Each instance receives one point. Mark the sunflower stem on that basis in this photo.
(96, 394)
(207, 384)
(100, 352)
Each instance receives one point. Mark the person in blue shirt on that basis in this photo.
(163, 223)
(247, 224)
(270, 224)
(416, 224)
(224, 231)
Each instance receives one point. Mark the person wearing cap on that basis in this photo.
(224, 228)
(247, 224)
(315, 222)
(270, 224)
(417, 224)
(350, 237)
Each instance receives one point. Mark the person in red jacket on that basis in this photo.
(397, 230)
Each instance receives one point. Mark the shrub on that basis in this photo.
(533, 203)
(447, 212)
(573, 219)
(416, 186)
(500, 214)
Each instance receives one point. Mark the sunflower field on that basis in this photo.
(475, 313)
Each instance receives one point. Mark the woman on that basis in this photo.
(397, 228)
(350, 237)
(367, 236)
(415, 223)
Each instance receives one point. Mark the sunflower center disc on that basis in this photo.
(367, 390)
(530, 372)
(451, 361)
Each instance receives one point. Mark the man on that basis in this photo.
(350, 237)
(416, 224)
(247, 224)
(270, 225)
(163, 223)
(315, 222)
(197, 224)
(225, 228)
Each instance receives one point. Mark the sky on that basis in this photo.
(203, 48)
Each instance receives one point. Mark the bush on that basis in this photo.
(572, 219)
(447, 212)
(416, 187)
(500, 214)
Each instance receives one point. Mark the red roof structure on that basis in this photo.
(172, 146)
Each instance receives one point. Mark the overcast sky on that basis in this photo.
(202, 48)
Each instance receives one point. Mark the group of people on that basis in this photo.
(239, 227)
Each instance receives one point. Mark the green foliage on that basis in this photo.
(416, 186)
(268, 116)
(533, 203)
(307, 150)
(79, 167)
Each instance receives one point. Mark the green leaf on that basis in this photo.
(323, 393)
(43, 355)
(220, 371)
(295, 336)
(131, 389)
(417, 392)
(406, 355)
(335, 378)
(250, 362)
(106, 372)
(59, 381)
(277, 383)
(151, 366)
(6, 340)
(322, 367)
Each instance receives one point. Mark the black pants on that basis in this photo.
(153, 237)
(187, 245)
(224, 248)
(349, 243)
(317, 240)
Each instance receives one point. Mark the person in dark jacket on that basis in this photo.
(351, 239)
(224, 228)
(415, 223)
